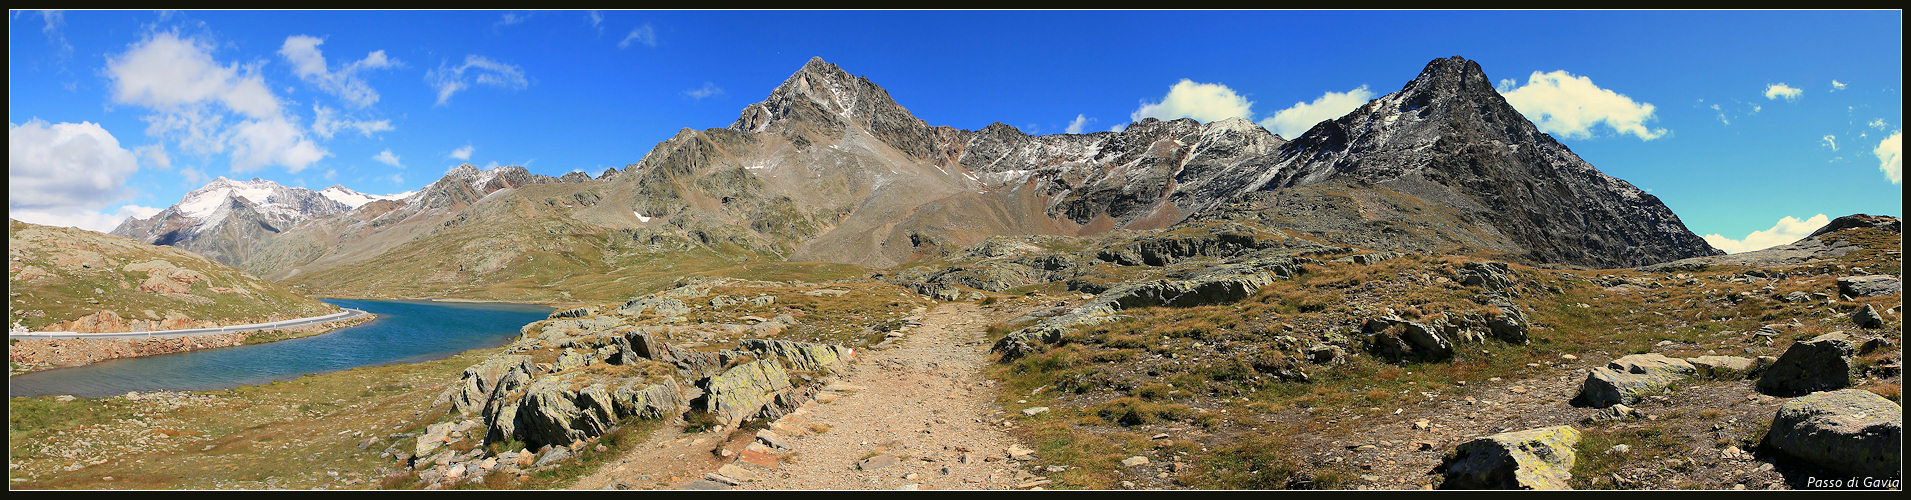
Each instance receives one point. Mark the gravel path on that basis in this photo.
(922, 400)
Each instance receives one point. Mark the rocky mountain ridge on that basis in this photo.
(829, 168)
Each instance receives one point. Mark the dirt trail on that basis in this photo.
(922, 400)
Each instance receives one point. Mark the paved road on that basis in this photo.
(343, 315)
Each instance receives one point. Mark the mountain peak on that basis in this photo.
(1449, 76)
(822, 92)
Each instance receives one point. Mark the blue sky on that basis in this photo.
(1736, 120)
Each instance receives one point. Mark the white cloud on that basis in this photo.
(1076, 125)
(643, 34)
(195, 98)
(155, 155)
(62, 174)
(386, 157)
(65, 165)
(1777, 90)
(257, 143)
(1787, 230)
(476, 69)
(708, 89)
(1560, 103)
(1721, 113)
(325, 122)
(1204, 102)
(463, 153)
(1830, 141)
(1296, 119)
(192, 177)
(1876, 123)
(597, 21)
(52, 31)
(309, 63)
(90, 220)
(1890, 153)
(510, 18)
(1837, 86)
(167, 72)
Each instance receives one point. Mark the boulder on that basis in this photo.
(1510, 325)
(569, 407)
(435, 435)
(1533, 459)
(1403, 340)
(1869, 286)
(799, 355)
(1631, 377)
(1867, 317)
(555, 455)
(741, 391)
(1493, 276)
(482, 381)
(1723, 367)
(554, 412)
(1820, 364)
(1850, 431)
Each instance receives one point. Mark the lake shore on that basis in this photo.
(27, 355)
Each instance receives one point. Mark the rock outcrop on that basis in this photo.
(1219, 285)
(1869, 286)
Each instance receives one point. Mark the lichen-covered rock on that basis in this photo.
(741, 391)
(568, 407)
(1631, 377)
(555, 412)
(1533, 459)
(1869, 286)
(1850, 431)
(482, 381)
(1820, 364)
(1723, 367)
(800, 355)
(570, 359)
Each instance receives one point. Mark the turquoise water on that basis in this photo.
(404, 332)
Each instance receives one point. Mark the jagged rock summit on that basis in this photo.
(1449, 140)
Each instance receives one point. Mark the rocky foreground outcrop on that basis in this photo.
(584, 372)
(1533, 459)
(1849, 431)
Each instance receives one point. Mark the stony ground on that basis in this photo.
(915, 412)
(1684, 440)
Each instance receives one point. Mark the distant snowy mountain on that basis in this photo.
(356, 199)
(227, 218)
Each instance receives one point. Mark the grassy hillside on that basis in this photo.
(57, 275)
